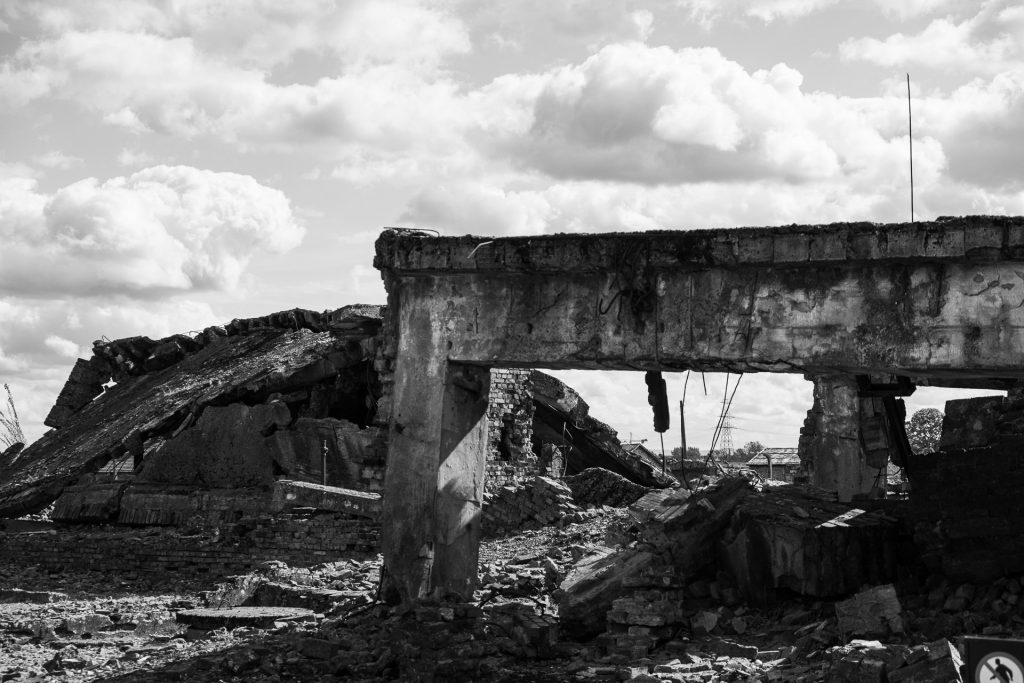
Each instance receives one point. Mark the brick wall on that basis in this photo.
(510, 456)
(300, 541)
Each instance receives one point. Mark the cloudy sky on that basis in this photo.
(169, 165)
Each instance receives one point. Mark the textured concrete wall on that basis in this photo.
(929, 299)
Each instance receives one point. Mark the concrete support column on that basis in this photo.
(831, 444)
(433, 488)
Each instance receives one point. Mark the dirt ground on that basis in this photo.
(86, 627)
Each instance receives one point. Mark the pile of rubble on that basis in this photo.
(598, 486)
(546, 501)
(615, 597)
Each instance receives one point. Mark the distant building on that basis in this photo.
(642, 453)
(781, 464)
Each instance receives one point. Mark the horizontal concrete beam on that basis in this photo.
(970, 238)
(942, 299)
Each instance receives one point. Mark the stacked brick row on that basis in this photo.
(510, 457)
(513, 508)
(222, 551)
(650, 616)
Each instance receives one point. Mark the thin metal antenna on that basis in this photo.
(910, 138)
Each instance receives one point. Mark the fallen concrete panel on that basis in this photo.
(874, 611)
(561, 415)
(688, 531)
(164, 387)
(594, 584)
(292, 494)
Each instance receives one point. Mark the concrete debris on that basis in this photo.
(562, 416)
(660, 625)
(596, 486)
(221, 409)
(863, 661)
(874, 611)
(590, 589)
(640, 621)
(799, 539)
(91, 624)
(688, 531)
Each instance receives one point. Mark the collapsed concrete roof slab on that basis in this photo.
(563, 416)
(162, 387)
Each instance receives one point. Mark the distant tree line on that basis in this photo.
(748, 451)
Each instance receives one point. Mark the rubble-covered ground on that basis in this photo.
(84, 627)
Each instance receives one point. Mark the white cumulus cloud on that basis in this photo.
(987, 42)
(160, 230)
(640, 114)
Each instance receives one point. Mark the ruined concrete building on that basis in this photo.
(864, 311)
(435, 403)
(264, 416)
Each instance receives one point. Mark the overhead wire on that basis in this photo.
(725, 411)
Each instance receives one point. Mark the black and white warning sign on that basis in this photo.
(995, 660)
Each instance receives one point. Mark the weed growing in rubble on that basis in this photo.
(10, 427)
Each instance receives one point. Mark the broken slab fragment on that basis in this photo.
(688, 531)
(802, 540)
(143, 504)
(291, 494)
(874, 611)
(865, 661)
(590, 589)
(935, 662)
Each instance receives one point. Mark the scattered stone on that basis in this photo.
(591, 587)
(935, 662)
(88, 623)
